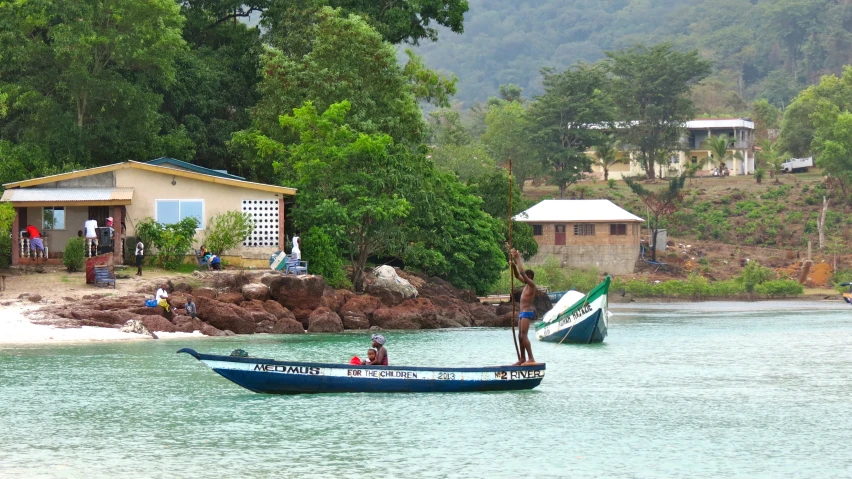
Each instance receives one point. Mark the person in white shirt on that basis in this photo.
(91, 229)
(297, 247)
(140, 256)
(162, 297)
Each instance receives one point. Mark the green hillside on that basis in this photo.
(761, 49)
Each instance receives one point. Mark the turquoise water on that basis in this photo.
(705, 390)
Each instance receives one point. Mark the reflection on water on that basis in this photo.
(678, 390)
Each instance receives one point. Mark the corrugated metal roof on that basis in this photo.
(66, 195)
(576, 211)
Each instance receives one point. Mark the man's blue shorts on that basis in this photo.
(526, 315)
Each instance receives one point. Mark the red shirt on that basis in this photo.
(33, 231)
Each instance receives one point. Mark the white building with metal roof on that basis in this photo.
(585, 234)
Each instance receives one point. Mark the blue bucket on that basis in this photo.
(151, 303)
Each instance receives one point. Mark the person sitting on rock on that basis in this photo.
(162, 297)
(191, 309)
(371, 357)
(381, 352)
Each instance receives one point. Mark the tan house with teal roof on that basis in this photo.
(165, 189)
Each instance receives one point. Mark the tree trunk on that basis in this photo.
(649, 168)
(81, 110)
(606, 174)
(358, 270)
(821, 224)
(562, 191)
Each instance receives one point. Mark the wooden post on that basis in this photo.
(117, 251)
(16, 238)
(809, 250)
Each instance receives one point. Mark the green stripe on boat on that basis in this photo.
(600, 290)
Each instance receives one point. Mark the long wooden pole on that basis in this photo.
(512, 265)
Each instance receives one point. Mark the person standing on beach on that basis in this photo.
(527, 311)
(140, 255)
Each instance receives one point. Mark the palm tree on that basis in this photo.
(606, 156)
(718, 146)
(772, 158)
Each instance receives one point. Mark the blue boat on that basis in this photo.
(286, 377)
(577, 317)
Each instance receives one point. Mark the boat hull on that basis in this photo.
(583, 322)
(285, 377)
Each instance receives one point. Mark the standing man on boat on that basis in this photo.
(527, 311)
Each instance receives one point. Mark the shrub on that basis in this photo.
(171, 242)
(753, 275)
(759, 174)
(74, 256)
(5, 251)
(611, 183)
(779, 288)
(7, 217)
(227, 231)
(324, 257)
(842, 276)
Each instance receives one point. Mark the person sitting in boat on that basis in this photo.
(371, 357)
(381, 353)
(527, 311)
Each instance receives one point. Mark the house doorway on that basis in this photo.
(560, 235)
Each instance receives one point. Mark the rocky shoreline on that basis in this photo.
(268, 302)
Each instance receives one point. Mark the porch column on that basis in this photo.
(117, 250)
(16, 238)
(282, 240)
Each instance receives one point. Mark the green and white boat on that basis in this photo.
(577, 317)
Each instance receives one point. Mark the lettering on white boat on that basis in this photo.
(446, 375)
(280, 368)
(501, 375)
(526, 374)
(381, 373)
(580, 312)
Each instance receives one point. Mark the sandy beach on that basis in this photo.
(16, 327)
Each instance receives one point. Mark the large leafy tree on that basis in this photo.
(493, 189)
(382, 95)
(651, 88)
(797, 128)
(661, 203)
(84, 78)
(568, 119)
(215, 86)
(507, 138)
(833, 143)
(350, 182)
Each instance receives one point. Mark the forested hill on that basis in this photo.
(761, 48)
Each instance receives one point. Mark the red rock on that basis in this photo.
(204, 293)
(417, 313)
(298, 292)
(363, 304)
(452, 312)
(277, 310)
(334, 299)
(255, 291)
(182, 287)
(108, 317)
(435, 287)
(225, 316)
(302, 315)
(253, 305)
(355, 320)
(157, 323)
(324, 320)
(209, 330)
(146, 311)
(488, 315)
(232, 297)
(280, 326)
(185, 324)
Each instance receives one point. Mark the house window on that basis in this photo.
(169, 212)
(54, 218)
(694, 160)
(537, 230)
(585, 229)
(619, 229)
